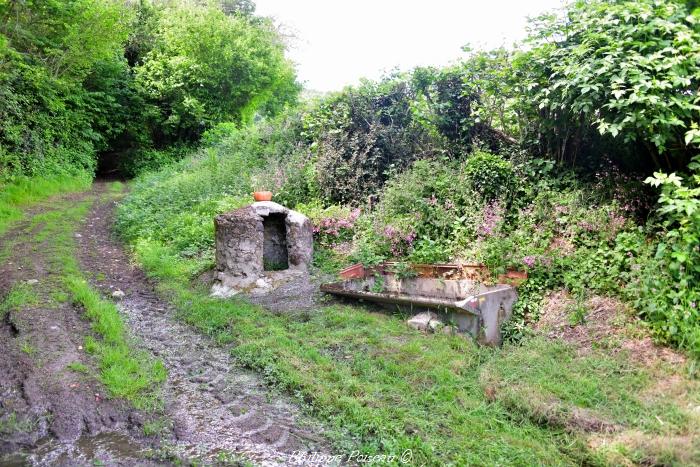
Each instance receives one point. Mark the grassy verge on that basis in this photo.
(23, 192)
(126, 372)
(629, 411)
(385, 388)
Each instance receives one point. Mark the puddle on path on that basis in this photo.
(114, 449)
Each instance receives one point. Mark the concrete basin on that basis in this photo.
(460, 294)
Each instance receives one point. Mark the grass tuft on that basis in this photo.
(21, 295)
(11, 423)
(126, 372)
(78, 368)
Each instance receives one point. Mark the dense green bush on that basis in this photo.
(488, 175)
(668, 292)
(626, 70)
(436, 210)
(79, 78)
(456, 104)
(140, 161)
(363, 134)
(204, 67)
(47, 51)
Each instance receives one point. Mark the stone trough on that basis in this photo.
(460, 294)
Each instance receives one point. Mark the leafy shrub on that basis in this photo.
(205, 67)
(145, 160)
(626, 70)
(363, 134)
(426, 251)
(333, 224)
(669, 296)
(456, 103)
(218, 133)
(291, 178)
(70, 90)
(54, 60)
(432, 212)
(489, 175)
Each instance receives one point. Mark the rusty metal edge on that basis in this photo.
(336, 288)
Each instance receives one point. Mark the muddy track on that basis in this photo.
(213, 404)
(43, 402)
(213, 409)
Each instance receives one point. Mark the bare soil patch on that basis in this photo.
(607, 323)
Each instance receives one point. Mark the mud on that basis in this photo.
(213, 405)
(109, 447)
(300, 294)
(40, 398)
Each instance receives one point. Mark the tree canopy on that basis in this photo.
(82, 77)
(629, 70)
(206, 67)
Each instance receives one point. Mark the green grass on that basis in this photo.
(25, 191)
(28, 348)
(116, 187)
(383, 388)
(21, 295)
(548, 382)
(156, 427)
(78, 368)
(11, 423)
(126, 372)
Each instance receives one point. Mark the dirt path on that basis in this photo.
(44, 404)
(213, 410)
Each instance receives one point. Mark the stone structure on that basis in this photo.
(259, 246)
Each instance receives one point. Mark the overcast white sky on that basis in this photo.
(339, 41)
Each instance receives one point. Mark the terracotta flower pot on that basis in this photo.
(262, 195)
(356, 271)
